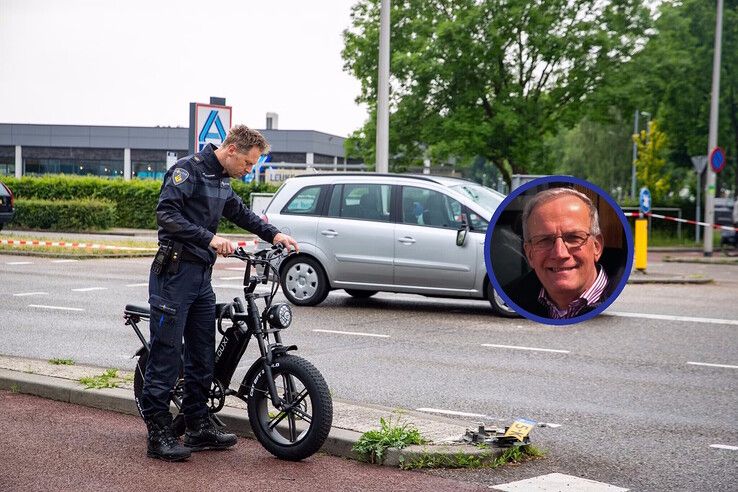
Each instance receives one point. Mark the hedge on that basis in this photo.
(64, 215)
(135, 200)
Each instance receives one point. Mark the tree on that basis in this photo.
(487, 78)
(650, 163)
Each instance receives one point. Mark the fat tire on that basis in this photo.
(360, 294)
(321, 289)
(321, 408)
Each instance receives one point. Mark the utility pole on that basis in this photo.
(712, 138)
(635, 156)
(382, 146)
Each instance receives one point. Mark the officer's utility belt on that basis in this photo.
(167, 257)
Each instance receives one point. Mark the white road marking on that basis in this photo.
(712, 365)
(19, 263)
(231, 278)
(55, 307)
(240, 269)
(549, 424)
(724, 446)
(22, 294)
(138, 285)
(556, 482)
(64, 261)
(452, 412)
(515, 347)
(669, 317)
(353, 333)
(227, 286)
(89, 289)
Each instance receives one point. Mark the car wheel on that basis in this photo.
(498, 304)
(360, 294)
(304, 282)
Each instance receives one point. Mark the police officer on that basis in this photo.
(195, 194)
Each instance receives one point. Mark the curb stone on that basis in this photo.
(339, 442)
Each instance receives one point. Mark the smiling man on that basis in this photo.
(563, 244)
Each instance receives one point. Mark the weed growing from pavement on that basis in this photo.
(61, 362)
(108, 379)
(391, 434)
(485, 459)
(14, 388)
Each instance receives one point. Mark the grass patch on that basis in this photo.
(391, 434)
(108, 379)
(61, 362)
(485, 459)
(14, 388)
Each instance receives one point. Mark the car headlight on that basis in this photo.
(280, 316)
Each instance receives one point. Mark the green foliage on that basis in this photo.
(134, 201)
(64, 215)
(486, 459)
(61, 362)
(372, 444)
(486, 78)
(650, 163)
(671, 78)
(108, 379)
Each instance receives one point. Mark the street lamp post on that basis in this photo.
(635, 148)
(382, 144)
(712, 137)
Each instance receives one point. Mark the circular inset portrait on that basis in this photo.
(558, 250)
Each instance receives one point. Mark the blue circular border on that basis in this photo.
(558, 179)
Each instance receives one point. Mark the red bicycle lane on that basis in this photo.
(51, 445)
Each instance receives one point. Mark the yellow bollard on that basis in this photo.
(641, 244)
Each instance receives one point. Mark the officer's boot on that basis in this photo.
(203, 434)
(162, 443)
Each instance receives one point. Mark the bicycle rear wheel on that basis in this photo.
(138, 381)
(300, 428)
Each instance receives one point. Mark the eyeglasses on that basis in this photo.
(545, 242)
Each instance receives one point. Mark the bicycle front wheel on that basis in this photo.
(300, 427)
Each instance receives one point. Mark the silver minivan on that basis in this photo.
(367, 232)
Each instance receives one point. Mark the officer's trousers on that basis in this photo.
(182, 306)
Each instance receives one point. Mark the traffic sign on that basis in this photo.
(699, 162)
(644, 200)
(717, 159)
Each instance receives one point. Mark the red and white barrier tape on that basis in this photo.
(686, 221)
(65, 244)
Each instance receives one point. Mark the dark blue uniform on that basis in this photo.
(195, 194)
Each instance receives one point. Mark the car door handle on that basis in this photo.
(406, 240)
(329, 233)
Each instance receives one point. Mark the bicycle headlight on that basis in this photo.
(280, 315)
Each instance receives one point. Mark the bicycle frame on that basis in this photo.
(247, 322)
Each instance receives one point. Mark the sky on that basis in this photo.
(141, 62)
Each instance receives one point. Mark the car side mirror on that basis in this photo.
(462, 232)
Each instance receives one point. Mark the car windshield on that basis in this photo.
(487, 198)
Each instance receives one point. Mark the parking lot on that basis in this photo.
(642, 397)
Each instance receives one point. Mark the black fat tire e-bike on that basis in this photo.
(289, 405)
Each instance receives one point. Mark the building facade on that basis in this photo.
(142, 152)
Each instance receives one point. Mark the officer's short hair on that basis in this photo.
(551, 193)
(245, 138)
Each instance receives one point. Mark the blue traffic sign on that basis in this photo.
(717, 159)
(644, 200)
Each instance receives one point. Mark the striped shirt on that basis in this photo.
(588, 298)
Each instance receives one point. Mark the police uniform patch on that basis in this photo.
(179, 176)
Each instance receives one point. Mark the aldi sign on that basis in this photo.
(211, 124)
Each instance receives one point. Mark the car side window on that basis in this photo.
(305, 202)
(361, 201)
(476, 222)
(421, 206)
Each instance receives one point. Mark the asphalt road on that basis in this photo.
(634, 402)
